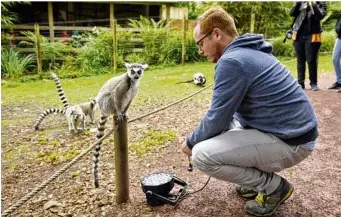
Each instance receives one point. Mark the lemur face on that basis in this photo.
(93, 100)
(135, 70)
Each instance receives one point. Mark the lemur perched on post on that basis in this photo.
(74, 114)
(114, 98)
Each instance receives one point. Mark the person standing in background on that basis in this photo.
(337, 57)
(307, 38)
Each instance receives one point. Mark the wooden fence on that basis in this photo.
(179, 25)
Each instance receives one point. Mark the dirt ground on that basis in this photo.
(316, 180)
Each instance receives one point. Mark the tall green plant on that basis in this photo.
(148, 24)
(13, 65)
(50, 50)
(7, 19)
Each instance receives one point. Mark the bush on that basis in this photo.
(287, 49)
(13, 65)
(328, 41)
(282, 49)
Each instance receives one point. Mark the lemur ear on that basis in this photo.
(145, 66)
(127, 65)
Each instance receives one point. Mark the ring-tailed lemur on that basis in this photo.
(45, 113)
(59, 89)
(74, 114)
(114, 98)
(198, 79)
(87, 107)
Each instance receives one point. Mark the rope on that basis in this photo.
(53, 177)
(67, 166)
(167, 106)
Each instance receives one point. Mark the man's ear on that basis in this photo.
(217, 33)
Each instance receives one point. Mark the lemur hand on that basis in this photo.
(120, 117)
(126, 116)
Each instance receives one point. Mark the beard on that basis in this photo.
(217, 51)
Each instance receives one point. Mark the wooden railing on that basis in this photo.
(37, 30)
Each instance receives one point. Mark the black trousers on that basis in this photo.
(306, 51)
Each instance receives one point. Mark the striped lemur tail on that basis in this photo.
(100, 133)
(59, 89)
(46, 113)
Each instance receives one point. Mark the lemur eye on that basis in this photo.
(132, 72)
(139, 72)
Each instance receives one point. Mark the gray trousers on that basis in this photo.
(247, 157)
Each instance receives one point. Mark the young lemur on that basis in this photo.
(74, 114)
(114, 99)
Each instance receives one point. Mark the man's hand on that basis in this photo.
(186, 150)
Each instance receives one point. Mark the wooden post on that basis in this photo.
(111, 14)
(147, 11)
(71, 11)
(121, 161)
(167, 13)
(50, 12)
(38, 48)
(252, 23)
(184, 30)
(111, 18)
(115, 46)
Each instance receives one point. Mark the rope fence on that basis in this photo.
(41, 186)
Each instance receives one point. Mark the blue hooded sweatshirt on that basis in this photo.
(252, 86)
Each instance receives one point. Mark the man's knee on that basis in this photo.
(201, 158)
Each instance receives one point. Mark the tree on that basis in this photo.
(271, 18)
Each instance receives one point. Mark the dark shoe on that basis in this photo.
(314, 87)
(246, 193)
(338, 91)
(302, 85)
(335, 86)
(266, 205)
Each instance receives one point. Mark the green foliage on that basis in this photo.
(161, 46)
(287, 49)
(282, 49)
(7, 17)
(328, 41)
(97, 53)
(151, 140)
(13, 65)
(271, 18)
(148, 24)
(334, 12)
(96, 56)
(49, 51)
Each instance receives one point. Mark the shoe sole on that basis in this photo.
(249, 195)
(282, 201)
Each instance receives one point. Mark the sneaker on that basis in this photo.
(314, 87)
(266, 205)
(336, 85)
(246, 193)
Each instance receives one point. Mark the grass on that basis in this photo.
(157, 85)
(152, 140)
